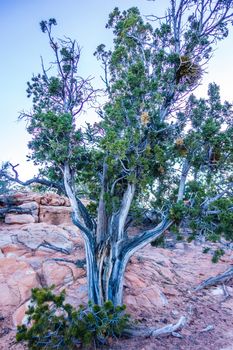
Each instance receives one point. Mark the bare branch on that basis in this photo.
(134, 244)
(218, 196)
(34, 180)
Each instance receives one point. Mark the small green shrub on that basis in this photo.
(217, 255)
(52, 324)
(179, 237)
(159, 242)
(191, 238)
(213, 237)
(206, 250)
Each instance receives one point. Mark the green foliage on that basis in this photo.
(144, 62)
(46, 25)
(191, 238)
(217, 255)
(4, 187)
(54, 148)
(139, 140)
(92, 209)
(205, 250)
(213, 237)
(179, 237)
(177, 212)
(53, 324)
(54, 87)
(159, 242)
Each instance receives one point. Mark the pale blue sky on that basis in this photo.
(22, 43)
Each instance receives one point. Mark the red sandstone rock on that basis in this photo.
(5, 239)
(17, 279)
(53, 199)
(19, 316)
(13, 250)
(35, 236)
(25, 197)
(61, 273)
(19, 219)
(33, 207)
(55, 215)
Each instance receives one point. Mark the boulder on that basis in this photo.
(41, 235)
(61, 273)
(17, 279)
(33, 207)
(21, 197)
(158, 282)
(19, 219)
(53, 199)
(5, 239)
(19, 315)
(55, 215)
(13, 250)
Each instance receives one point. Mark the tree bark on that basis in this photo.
(106, 267)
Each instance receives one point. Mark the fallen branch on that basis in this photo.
(219, 279)
(156, 332)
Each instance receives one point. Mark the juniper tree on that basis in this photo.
(154, 141)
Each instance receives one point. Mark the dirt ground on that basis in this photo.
(209, 312)
(202, 310)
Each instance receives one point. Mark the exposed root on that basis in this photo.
(219, 279)
(156, 332)
(226, 293)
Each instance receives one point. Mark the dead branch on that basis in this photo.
(219, 279)
(156, 332)
(35, 180)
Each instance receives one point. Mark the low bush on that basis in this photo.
(53, 324)
(217, 255)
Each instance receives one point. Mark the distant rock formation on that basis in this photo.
(27, 207)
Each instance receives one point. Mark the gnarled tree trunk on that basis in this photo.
(108, 247)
